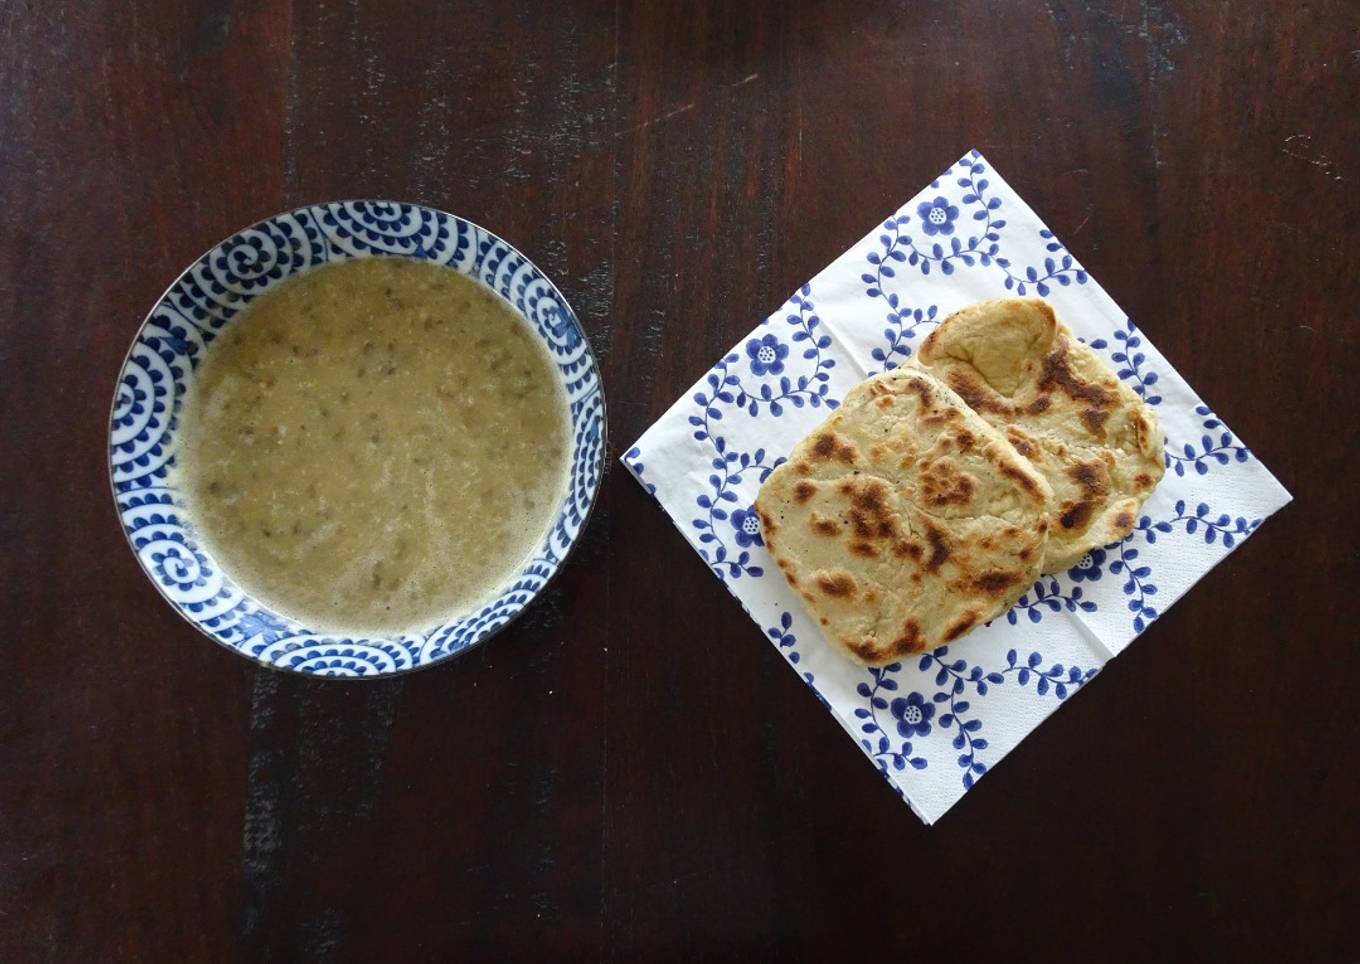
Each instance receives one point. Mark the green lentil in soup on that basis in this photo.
(374, 445)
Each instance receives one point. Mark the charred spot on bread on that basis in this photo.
(996, 582)
(864, 649)
(939, 548)
(921, 390)
(1094, 419)
(960, 626)
(943, 484)
(823, 526)
(976, 393)
(911, 640)
(1021, 442)
(1093, 481)
(1022, 479)
(839, 583)
(828, 448)
(1057, 373)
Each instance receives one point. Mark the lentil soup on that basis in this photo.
(374, 445)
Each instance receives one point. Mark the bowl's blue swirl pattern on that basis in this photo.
(161, 364)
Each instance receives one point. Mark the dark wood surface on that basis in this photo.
(631, 772)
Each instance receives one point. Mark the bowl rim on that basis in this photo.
(602, 459)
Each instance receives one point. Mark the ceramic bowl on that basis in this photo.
(161, 365)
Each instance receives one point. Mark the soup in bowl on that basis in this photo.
(357, 438)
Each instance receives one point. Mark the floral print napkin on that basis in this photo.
(935, 724)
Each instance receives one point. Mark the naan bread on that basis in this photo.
(904, 520)
(1095, 441)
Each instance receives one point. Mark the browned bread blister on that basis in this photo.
(905, 520)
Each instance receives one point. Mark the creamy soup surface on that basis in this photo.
(374, 445)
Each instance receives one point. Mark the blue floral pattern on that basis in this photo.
(981, 249)
(725, 391)
(1047, 595)
(783, 636)
(912, 714)
(882, 748)
(747, 526)
(937, 216)
(956, 675)
(1137, 583)
(729, 467)
(1088, 569)
(633, 459)
(1216, 445)
(935, 724)
(767, 355)
(1129, 361)
(161, 364)
(901, 329)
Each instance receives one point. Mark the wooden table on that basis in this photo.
(631, 772)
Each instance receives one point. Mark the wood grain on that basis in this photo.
(630, 773)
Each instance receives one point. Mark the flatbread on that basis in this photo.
(904, 520)
(1095, 441)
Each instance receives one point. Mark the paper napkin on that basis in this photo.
(934, 724)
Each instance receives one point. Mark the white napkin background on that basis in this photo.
(935, 724)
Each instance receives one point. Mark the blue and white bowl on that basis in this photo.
(162, 363)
